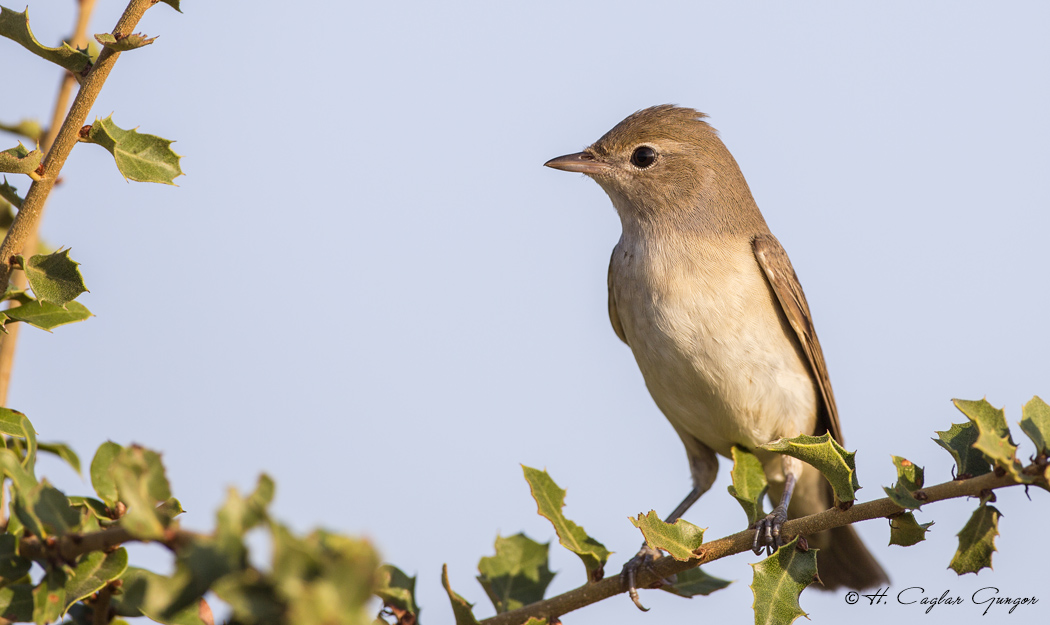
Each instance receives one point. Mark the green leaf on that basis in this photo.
(173, 4)
(96, 508)
(10, 194)
(49, 511)
(49, 597)
(11, 466)
(14, 423)
(93, 572)
(909, 474)
(977, 541)
(550, 499)
(63, 451)
(12, 565)
(517, 575)
(142, 485)
(101, 479)
(55, 278)
(830, 458)
(16, 603)
(959, 440)
(398, 592)
(19, 160)
(461, 609)
(778, 582)
(680, 539)
(695, 582)
(749, 484)
(47, 316)
(909, 479)
(1036, 424)
(146, 593)
(28, 128)
(239, 515)
(993, 438)
(15, 26)
(906, 531)
(124, 44)
(139, 157)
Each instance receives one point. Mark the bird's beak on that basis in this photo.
(582, 162)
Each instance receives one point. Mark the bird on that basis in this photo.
(708, 302)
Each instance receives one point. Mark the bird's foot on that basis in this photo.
(767, 531)
(643, 560)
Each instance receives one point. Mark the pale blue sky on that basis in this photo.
(368, 286)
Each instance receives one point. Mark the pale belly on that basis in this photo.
(718, 360)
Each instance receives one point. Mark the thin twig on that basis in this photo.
(742, 541)
(25, 224)
(18, 280)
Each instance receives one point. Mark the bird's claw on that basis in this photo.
(643, 560)
(767, 532)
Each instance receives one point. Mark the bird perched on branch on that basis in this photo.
(707, 300)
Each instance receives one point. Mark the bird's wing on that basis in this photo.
(781, 276)
(614, 317)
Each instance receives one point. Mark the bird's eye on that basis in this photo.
(643, 157)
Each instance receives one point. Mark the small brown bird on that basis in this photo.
(707, 300)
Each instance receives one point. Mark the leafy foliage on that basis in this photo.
(779, 581)
(977, 541)
(19, 160)
(15, 26)
(517, 575)
(749, 485)
(830, 458)
(680, 539)
(139, 157)
(906, 531)
(549, 501)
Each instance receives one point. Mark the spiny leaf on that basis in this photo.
(695, 582)
(47, 316)
(909, 479)
(173, 4)
(139, 157)
(549, 501)
(15, 26)
(63, 451)
(977, 541)
(19, 160)
(993, 438)
(93, 572)
(778, 582)
(958, 440)
(461, 609)
(398, 592)
(124, 44)
(28, 128)
(55, 278)
(1036, 424)
(906, 531)
(680, 539)
(830, 458)
(517, 575)
(749, 485)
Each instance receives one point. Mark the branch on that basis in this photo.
(741, 541)
(8, 341)
(70, 546)
(25, 224)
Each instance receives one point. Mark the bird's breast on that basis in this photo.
(715, 353)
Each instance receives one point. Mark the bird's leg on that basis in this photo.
(767, 530)
(703, 464)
